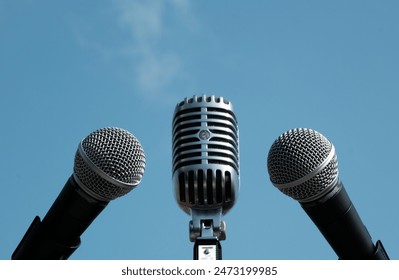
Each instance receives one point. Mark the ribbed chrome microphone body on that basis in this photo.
(109, 163)
(205, 154)
(302, 164)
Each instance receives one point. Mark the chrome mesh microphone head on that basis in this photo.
(302, 163)
(205, 154)
(109, 163)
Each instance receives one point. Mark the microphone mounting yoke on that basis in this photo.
(207, 224)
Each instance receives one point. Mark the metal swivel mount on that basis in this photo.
(206, 230)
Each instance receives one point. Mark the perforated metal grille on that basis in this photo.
(206, 188)
(205, 153)
(205, 131)
(114, 163)
(316, 185)
(297, 153)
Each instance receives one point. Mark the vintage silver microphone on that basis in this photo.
(205, 165)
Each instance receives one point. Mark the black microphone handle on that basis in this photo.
(341, 225)
(72, 212)
(58, 235)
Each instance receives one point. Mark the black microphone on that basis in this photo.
(109, 163)
(302, 164)
(205, 167)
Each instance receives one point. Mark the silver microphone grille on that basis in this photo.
(302, 163)
(205, 153)
(109, 163)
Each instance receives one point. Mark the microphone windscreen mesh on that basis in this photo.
(302, 163)
(109, 163)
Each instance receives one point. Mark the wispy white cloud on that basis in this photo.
(142, 18)
(144, 25)
(157, 71)
(145, 22)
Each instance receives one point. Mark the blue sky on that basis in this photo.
(68, 68)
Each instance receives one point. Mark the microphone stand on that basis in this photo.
(38, 244)
(207, 246)
(380, 253)
(206, 231)
(207, 249)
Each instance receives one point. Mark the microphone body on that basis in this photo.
(108, 164)
(71, 213)
(303, 165)
(342, 227)
(58, 235)
(205, 163)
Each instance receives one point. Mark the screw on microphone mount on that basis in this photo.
(207, 224)
(206, 229)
